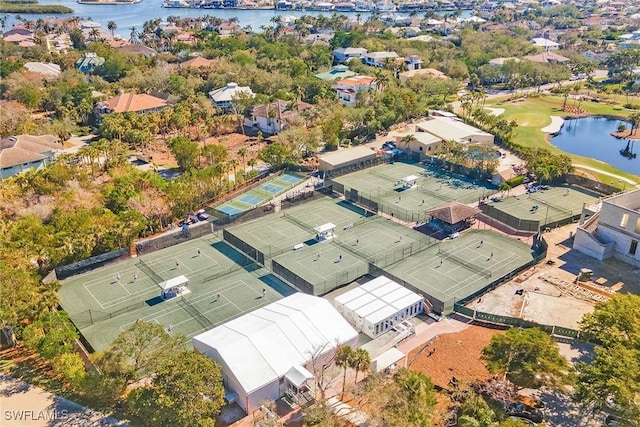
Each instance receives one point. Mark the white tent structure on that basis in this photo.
(174, 287)
(267, 353)
(377, 306)
(410, 181)
(325, 231)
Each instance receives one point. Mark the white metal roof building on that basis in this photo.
(375, 307)
(266, 354)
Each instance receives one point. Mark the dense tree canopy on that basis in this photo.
(186, 391)
(526, 357)
(612, 379)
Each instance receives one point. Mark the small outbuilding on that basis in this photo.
(354, 157)
(454, 216)
(377, 306)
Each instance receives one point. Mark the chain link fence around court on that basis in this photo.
(92, 263)
(319, 287)
(561, 217)
(515, 322)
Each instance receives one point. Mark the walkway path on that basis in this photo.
(600, 171)
(25, 405)
(495, 111)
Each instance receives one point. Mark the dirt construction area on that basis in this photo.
(549, 295)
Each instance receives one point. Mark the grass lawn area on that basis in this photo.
(533, 114)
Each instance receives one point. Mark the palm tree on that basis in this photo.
(344, 359)
(94, 33)
(361, 361)
(112, 26)
(243, 154)
(133, 35)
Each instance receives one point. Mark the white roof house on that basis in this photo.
(275, 342)
(223, 98)
(453, 129)
(378, 305)
(44, 68)
(546, 44)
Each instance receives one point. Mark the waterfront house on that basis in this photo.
(273, 117)
(23, 152)
(344, 54)
(19, 36)
(347, 89)
(223, 97)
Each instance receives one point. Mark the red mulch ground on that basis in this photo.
(456, 355)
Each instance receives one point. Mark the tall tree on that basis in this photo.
(525, 357)
(344, 360)
(112, 27)
(612, 379)
(186, 391)
(138, 351)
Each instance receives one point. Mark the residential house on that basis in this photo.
(546, 44)
(223, 97)
(613, 231)
(129, 102)
(197, 62)
(23, 152)
(413, 62)
(46, 69)
(547, 58)
(428, 72)
(273, 117)
(336, 73)
(89, 61)
(228, 28)
(347, 89)
(19, 36)
(344, 54)
(379, 59)
(499, 62)
(138, 49)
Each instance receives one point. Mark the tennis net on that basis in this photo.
(298, 222)
(555, 207)
(480, 270)
(150, 272)
(195, 313)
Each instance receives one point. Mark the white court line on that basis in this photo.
(94, 297)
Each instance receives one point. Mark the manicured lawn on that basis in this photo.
(533, 114)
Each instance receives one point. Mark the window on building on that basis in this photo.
(420, 148)
(637, 225)
(624, 220)
(633, 248)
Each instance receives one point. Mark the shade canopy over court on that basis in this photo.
(173, 283)
(409, 181)
(257, 349)
(453, 213)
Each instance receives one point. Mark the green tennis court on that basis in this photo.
(105, 301)
(547, 206)
(457, 269)
(383, 184)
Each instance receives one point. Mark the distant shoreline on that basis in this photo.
(51, 9)
(108, 2)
